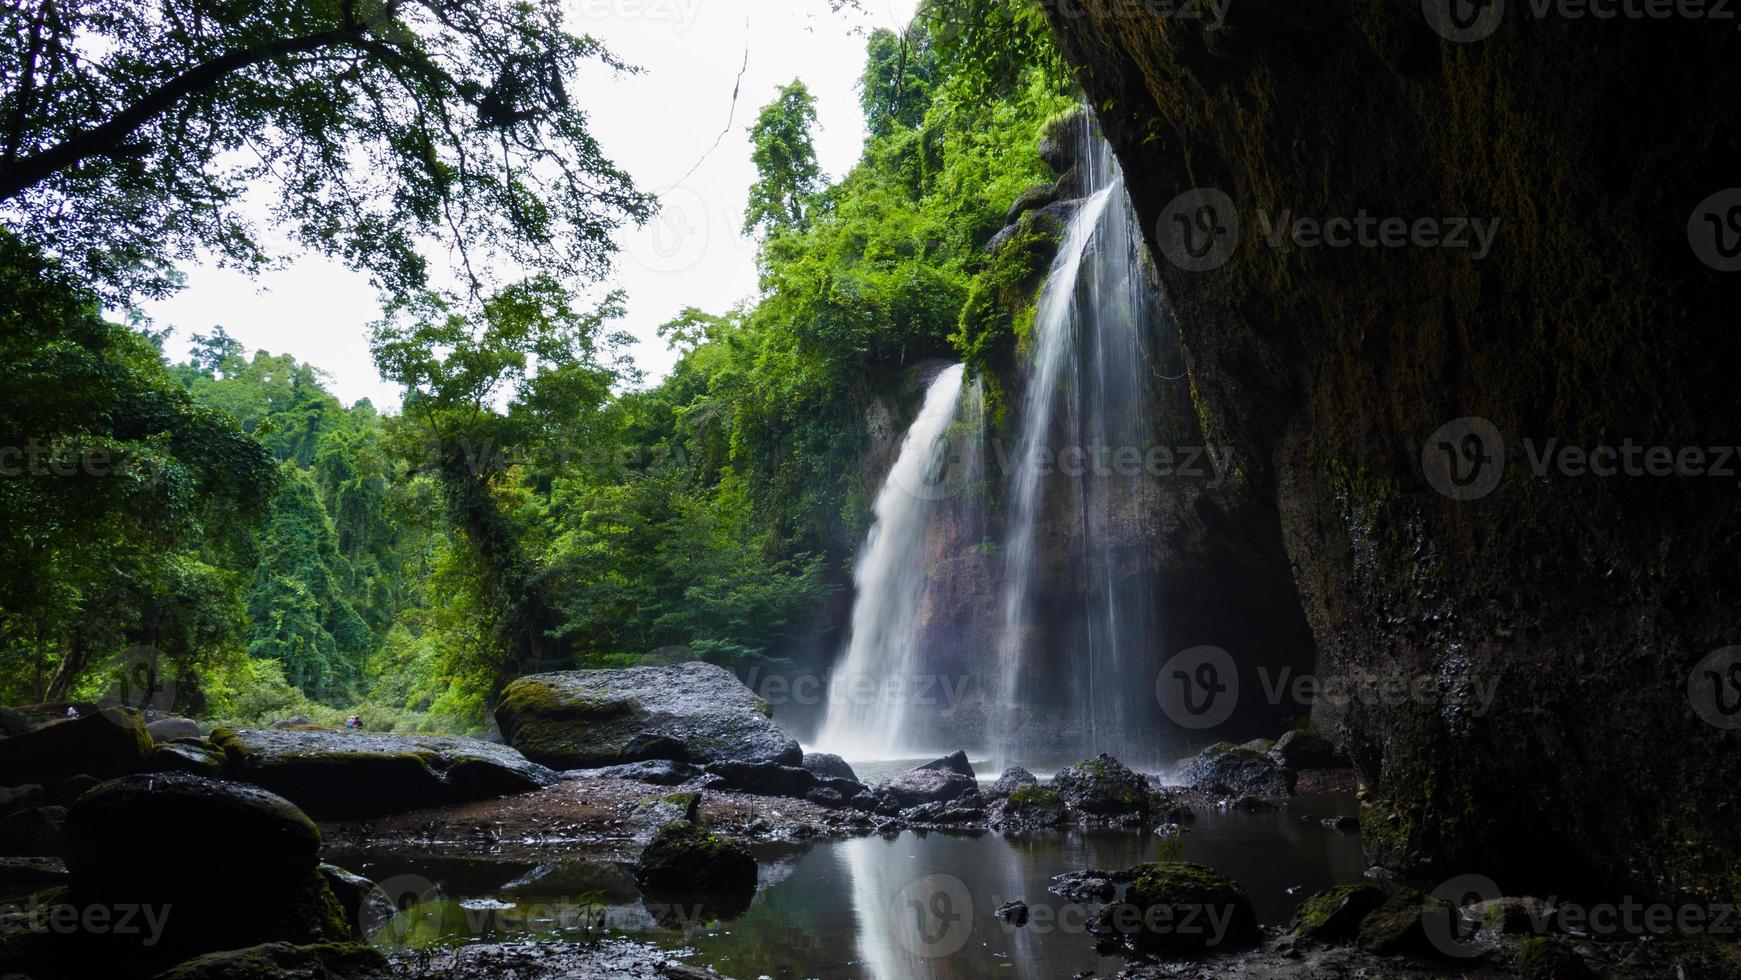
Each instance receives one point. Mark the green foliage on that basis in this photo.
(135, 129)
(123, 499)
(788, 175)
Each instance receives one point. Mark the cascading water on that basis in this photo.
(1079, 626)
(873, 686)
(1061, 658)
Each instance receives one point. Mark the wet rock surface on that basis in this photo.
(111, 742)
(340, 774)
(1239, 771)
(1103, 787)
(696, 712)
(608, 960)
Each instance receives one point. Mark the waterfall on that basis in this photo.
(871, 690)
(1079, 628)
(1060, 660)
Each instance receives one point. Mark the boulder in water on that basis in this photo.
(108, 743)
(583, 719)
(1175, 908)
(1227, 768)
(357, 774)
(683, 858)
(1103, 787)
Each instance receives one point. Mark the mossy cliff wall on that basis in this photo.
(1579, 603)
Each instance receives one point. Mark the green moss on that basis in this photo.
(1335, 915)
(1026, 797)
(998, 316)
(1549, 958)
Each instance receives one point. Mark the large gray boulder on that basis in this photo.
(921, 786)
(341, 775)
(1103, 786)
(1239, 771)
(694, 712)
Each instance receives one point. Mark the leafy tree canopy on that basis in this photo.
(132, 135)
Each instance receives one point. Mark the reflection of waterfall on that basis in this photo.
(876, 682)
(1079, 632)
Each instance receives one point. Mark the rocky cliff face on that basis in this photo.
(1548, 622)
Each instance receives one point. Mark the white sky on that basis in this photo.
(656, 125)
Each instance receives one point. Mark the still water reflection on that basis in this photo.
(917, 906)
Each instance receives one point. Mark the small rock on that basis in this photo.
(169, 729)
(1398, 927)
(192, 757)
(1082, 887)
(1015, 913)
(955, 762)
(16, 798)
(1334, 915)
(659, 772)
(825, 764)
(1346, 824)
(1030, 808)
(1013, 778)
(765, 778)
(334, 961)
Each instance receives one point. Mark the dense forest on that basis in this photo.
(224, 537)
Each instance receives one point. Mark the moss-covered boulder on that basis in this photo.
(285, 961)
(107, 743)
(1304, 749)
(342, 775)
(694, 712)
(235, 866)
(1029, 808)
(1103, 787)
(1175, 908)
(1238, 771)
(1334, 915)
(1402, 925)
(685, 858)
